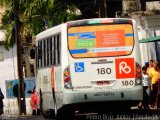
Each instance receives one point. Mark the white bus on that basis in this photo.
(88, 62)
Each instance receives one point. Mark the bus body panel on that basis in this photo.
(46, 89)
(85, 83)
(43, 83)
(94, 74)
(105, 95)
(102, 74)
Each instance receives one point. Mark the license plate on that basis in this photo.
(101, 83)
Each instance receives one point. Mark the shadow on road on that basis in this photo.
(108, 114)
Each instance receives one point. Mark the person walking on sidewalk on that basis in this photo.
(34, 101)
(145, 103)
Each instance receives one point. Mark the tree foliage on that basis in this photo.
(34, 17)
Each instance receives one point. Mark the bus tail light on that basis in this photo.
(67, 78)
(138, 74)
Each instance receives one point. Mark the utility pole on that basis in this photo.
(21, 93)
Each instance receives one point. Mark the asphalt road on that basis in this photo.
(134, 114)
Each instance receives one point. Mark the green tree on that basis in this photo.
(34, 17)
(7, 18)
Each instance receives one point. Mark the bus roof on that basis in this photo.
(56, 29)
(99, 21)
(49, 32)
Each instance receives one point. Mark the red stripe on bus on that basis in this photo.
(52, 77)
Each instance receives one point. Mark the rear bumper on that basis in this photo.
(107, 95)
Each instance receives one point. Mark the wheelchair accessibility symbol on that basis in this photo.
(79, 67)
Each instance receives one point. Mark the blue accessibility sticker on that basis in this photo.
(79, 67)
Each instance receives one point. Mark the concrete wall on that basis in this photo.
(8, 66)
(154, 5)
(130, 6)
(148, 25)
(8, 71)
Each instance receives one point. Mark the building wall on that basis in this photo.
(9, 66)
(8, 72)
(131, 6)
(150, 6)
(148, 25)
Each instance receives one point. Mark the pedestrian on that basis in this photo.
(153, 73)
(145, 103)
(157, 96)
(151, 62)
(158, 92)
(146, 65)
(1, 102)
(34, 101)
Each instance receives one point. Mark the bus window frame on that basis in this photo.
(50, 51)
(39, 55)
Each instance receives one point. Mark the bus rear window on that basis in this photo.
(100, 40)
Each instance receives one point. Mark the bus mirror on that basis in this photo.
(32, 53)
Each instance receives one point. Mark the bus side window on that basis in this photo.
(47, 53)
(52, 55)
(50, 51)
(44, 53)
(58, 48)
(39, 54)
(55, 47)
